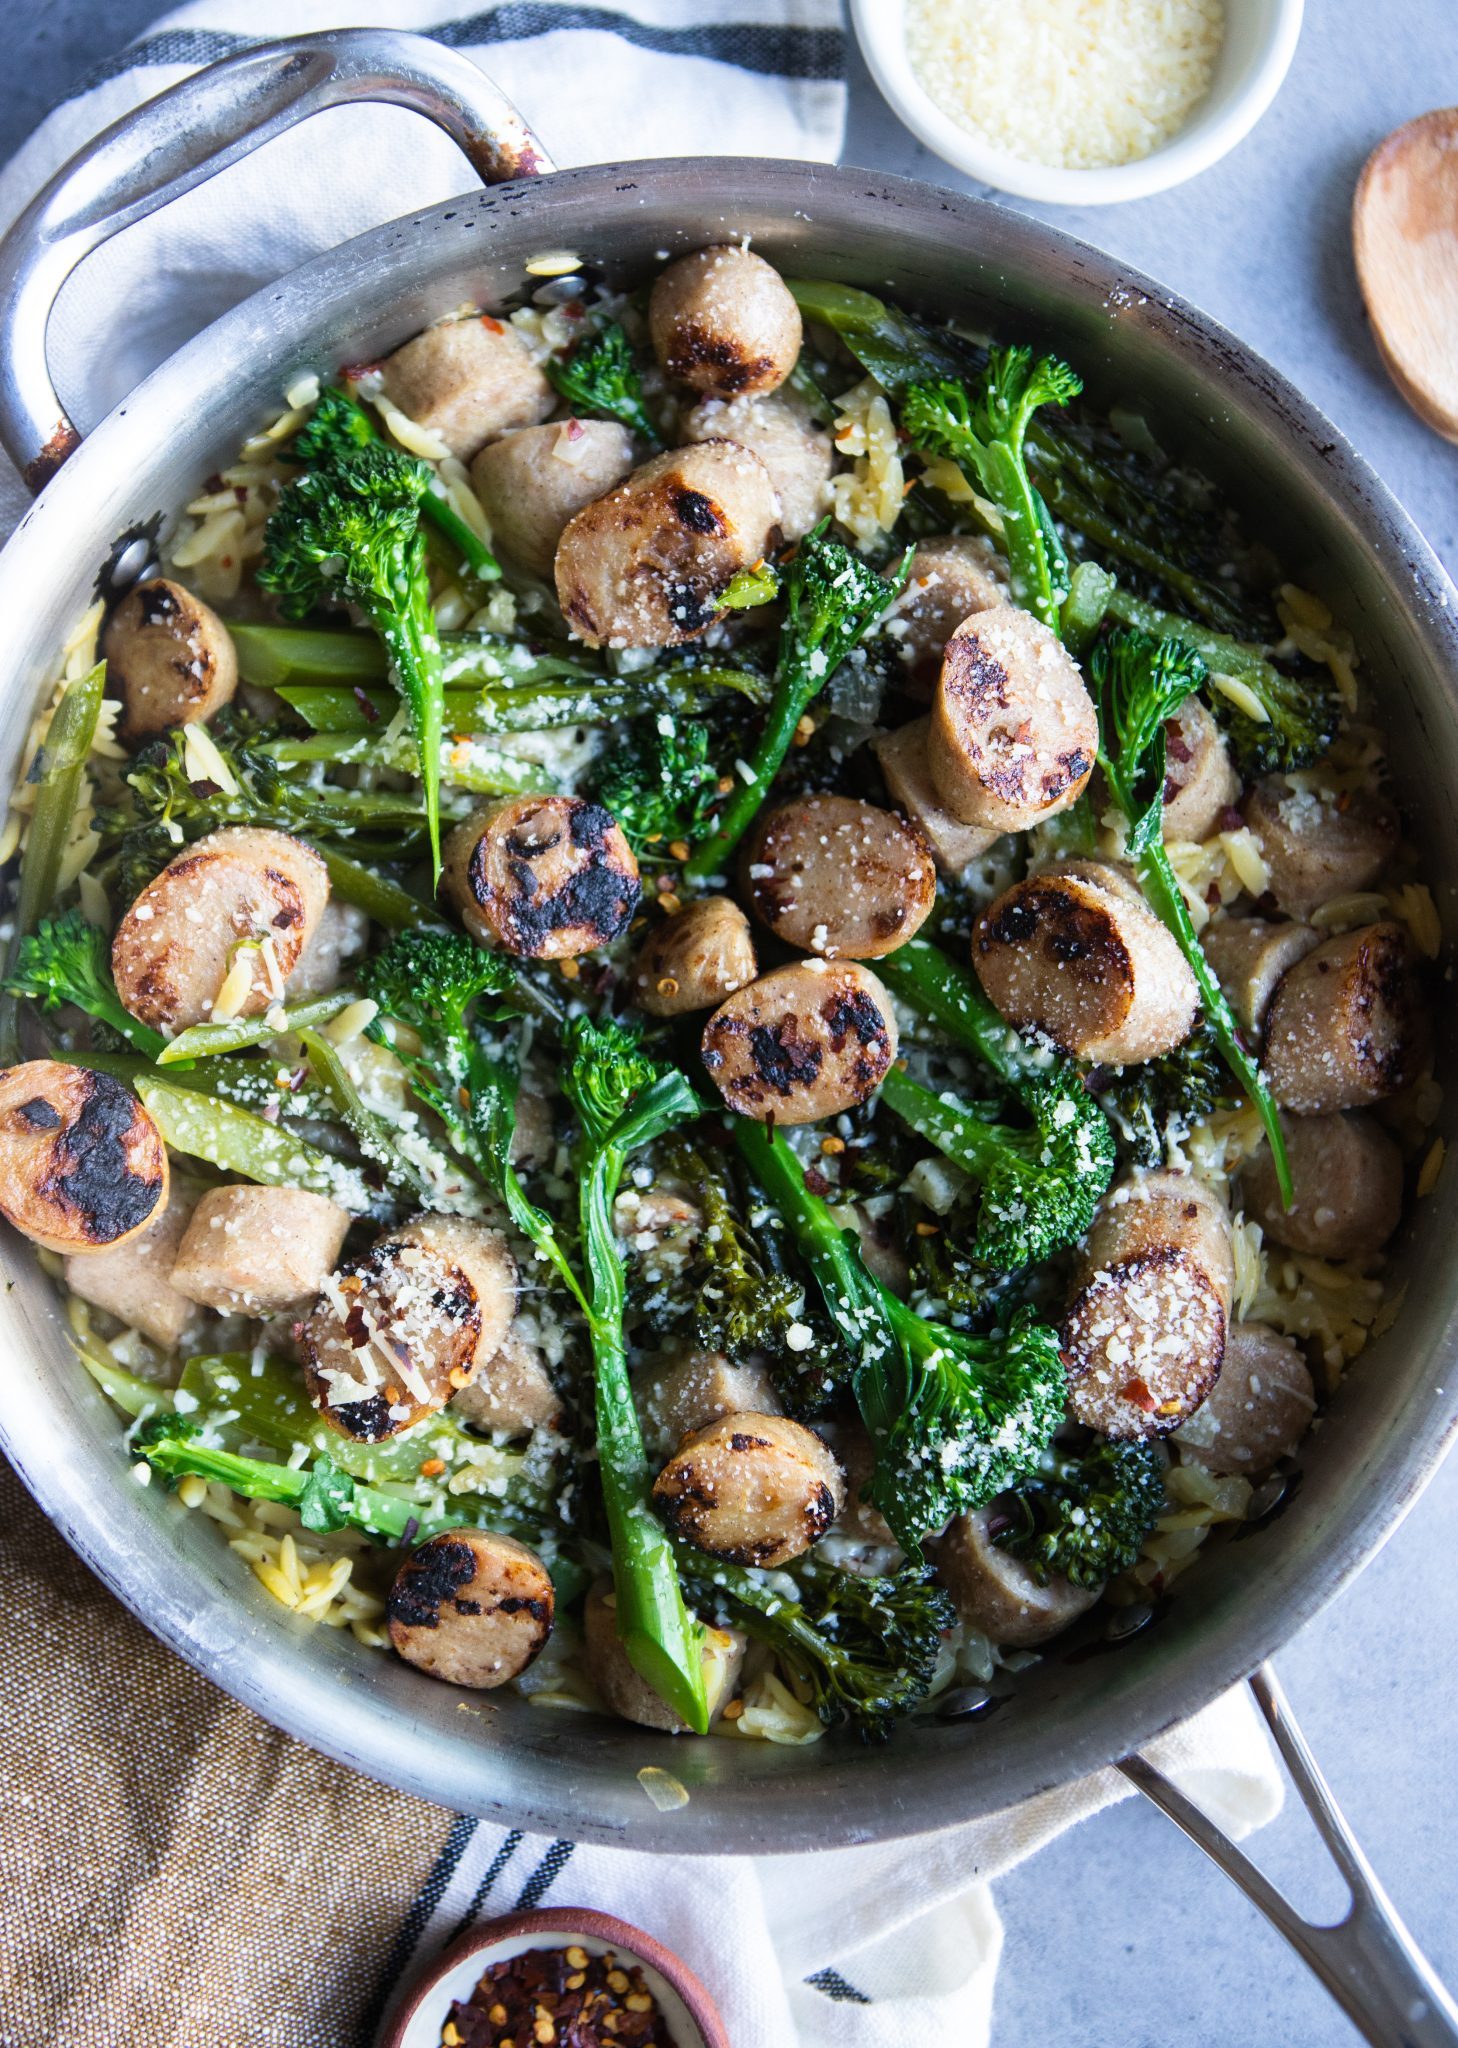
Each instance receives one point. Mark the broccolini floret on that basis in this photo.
(599, 379)
(1085, 1513)
(67, 960)
(658, 781)
(1160, 1101)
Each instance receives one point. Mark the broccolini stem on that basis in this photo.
(485, 770)
(206, 1041)
(517, 706)
(227, 1136)
(948, 1123)
(410, 638)
(950, 996)
(1220, 654)
(476, 558)
(381, 899)
(272, 656)
(1089, 592)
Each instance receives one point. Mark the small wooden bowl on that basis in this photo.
(693, 2019)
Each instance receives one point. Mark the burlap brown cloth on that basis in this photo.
(173, 1872)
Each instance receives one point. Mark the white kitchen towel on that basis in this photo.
(858, 1948)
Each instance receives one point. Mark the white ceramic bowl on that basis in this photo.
(1260, 41)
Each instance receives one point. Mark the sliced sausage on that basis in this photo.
(133, 1280)
(907, 771)
(751, 1488)
(687, 1393)
(838, 877)
(403, 1326)
(1075, 953)
(544, 877)
(882, 1253)
(1145, 1331)
(858, 1519)
(646, 565)
(1317, 848)
(467, 380)
(660, 1225)
(1200, 782)
(1346, 1180)
(1249, 957)
(178, 945)
(82, 1165)
(695, 958)
(471, 1607)
(632, 1697)
(257, 1251)
(530, 483)
(997, 1593)
(723, 322)
(804, 1042)
(170, 658)
(340, 936)
(782, 431)
(952, 576)
(1346, 1025)
(1013, 731)
(513, 1391)
(1259, 1409)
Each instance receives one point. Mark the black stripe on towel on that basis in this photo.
(833, 1985)
(544, 1876)
(487, 1885)
(462, 1828)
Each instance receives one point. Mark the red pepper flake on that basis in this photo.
(366, 703)
(1138, 1393)
(561, 1996)
(492, 326)
(575, 430)
(350, 373)
(816, 1182)
(1230, 819)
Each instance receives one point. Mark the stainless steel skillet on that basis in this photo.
(1337, 529)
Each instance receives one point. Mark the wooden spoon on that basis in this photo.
(1405, 238)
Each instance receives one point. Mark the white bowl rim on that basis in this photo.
(1203, 140)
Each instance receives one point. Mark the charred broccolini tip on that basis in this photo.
(1161, 1100)
(599, 378)
(1085, 1513)
(67, 960)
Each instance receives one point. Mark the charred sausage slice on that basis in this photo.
(1075, 953)
(1145, 1331)
(467, 380)
(695, 958)
(1317, 848)
(782, 431)
(513, 1391)
(239, 906)
(753, 1489)
(531, 483)
(804, 1042)
(1199, 781)
(997, 1593)
(133, 1280)
(170, 658)
(471, 1607)
(838, 877)
(952, 576)
(1346, 1025)
(1013, 731)
(632, 1697)
(257, 1251)
(1249, 957)
(82, 1165)
(907, 771)
(1346, 1177)
(544, 877)
(724, 322)
(1259, 1410)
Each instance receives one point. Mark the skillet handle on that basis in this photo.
(1368, 1961)
(187, 134)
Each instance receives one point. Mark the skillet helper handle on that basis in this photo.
(185, 136)
(1368, 1961)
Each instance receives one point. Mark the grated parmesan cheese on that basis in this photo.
(1076, 83)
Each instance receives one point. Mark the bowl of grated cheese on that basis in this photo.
(1080, 102)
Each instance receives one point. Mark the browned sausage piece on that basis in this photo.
(1318, 848)
(1249, 957)
(471, 1607)
(782, 431)
(257, 1251)
(1259, 1410)
(752, 1489)
(1346, 1178)
(170, 658)
(401, 1327)
(1145, 1331)
(133, 1280)
(695, 958)
(1075, 953)
(632, 1697)
(82, 1165)
(513, 1391)
(1346, 1025)
(545, 877)
(997, 1593)
(723, 322)
(646, 565)
(804, 1042)
(1199, 781)
(838, 877)
(952, 576)
(468, 380)
(530, 483)
(239, 906)
(684, 1394)
(1013, 731)
(908, 775)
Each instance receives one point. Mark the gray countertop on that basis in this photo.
(1120, 1935)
